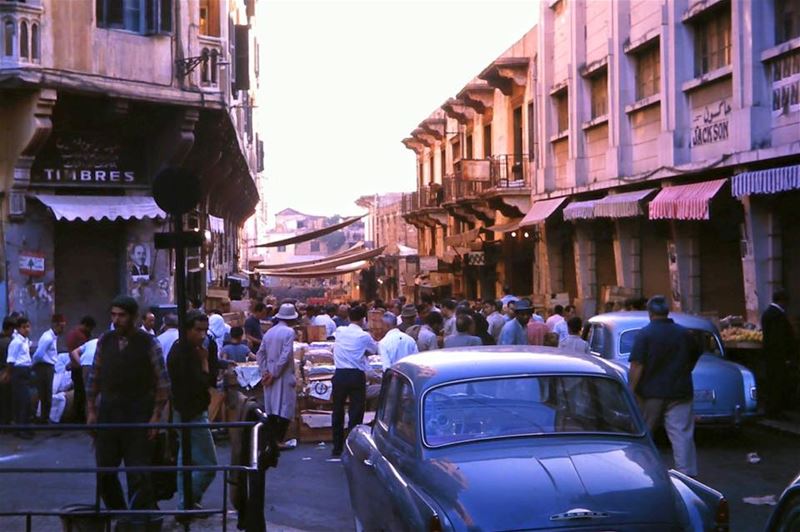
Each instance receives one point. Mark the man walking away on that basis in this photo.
(44, 360)
(428, 336)
(573, 343)
(662, 359)
(252, 326)
(449, 315)
(491, 309)
(350, 353)
(193, 371)
(75, 339)
(555, 318)
(19, 359)
(170, 335)
(561, 328)
(321, 318)
(276, 361)
(463, 336)
(129, 380)
(781, 353)
(537, 331)
(395, 345)
(515, 331)
(6, 400)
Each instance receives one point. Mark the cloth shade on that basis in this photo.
(541, 211)
(770, 181)
(685, 202)
(216, 225)
(579, 210)
(312, 274)
(349, 252)
(462, 239)
(623, 205)
(85, 208)
(332, 262)
(311, 235)
(504, 228)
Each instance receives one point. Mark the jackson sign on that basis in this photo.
(711, 124)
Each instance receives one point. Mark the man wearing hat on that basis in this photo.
(128, 383)
(662, 359)
(514, 332)
(276, 361)
(408, 317)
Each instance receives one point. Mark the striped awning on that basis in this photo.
(685, 202)
(769, 181)
(622, 205)
(541, 211)
(580, 210)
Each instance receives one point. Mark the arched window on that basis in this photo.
(23, 40)
(204, 66)
(8, 37)
(35, 46)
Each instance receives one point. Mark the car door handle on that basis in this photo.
(368, 462)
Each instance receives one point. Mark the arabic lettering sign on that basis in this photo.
(711, 124)
(429, 264)
(31, 263)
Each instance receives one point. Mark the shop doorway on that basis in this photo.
(87, 274)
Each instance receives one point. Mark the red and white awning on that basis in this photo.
(685, 202)
(622, 205)
(541, 211)
(769, 181)
(580, 210)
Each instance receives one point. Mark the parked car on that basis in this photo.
(515, 438)
(724, 391)
(786, 516)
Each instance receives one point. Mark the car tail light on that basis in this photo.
(722, 517)
(435, 524)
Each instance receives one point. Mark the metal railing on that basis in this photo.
(510, 171)
(254, 470)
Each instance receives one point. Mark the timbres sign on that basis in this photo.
(711, 124)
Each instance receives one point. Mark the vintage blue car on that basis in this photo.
(515, 438)
(786, 516)
(724, 392)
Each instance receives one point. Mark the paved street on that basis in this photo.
(308, 493)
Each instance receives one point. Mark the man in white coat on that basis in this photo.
(276, 361)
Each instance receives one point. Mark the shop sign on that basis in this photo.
(711, 124)
(31, 263)
(476, 258)
(429, 264)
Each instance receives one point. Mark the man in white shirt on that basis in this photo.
(556, 317)
(449, 315)
(491, 310)
(350, 352)
(170, 334)
(149, 324)
(395, 345)
(508, 297)
(19, 358)
(428, 338)
(44, 360)
(561, 328)
(83, 357)
(322, 318)
(573, 343)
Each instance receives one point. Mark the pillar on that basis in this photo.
(761, 256)
(585, 270)
(628, 254)
(684, 257)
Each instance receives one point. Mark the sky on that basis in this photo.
(342, 83)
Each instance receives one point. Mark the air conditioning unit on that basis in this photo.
(16, 204)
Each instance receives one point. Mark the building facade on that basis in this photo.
(96, 98)
(657, 142)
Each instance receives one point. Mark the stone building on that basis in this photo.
(96, 97)
(657, 143)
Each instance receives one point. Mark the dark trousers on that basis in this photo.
(80, 394)
(276, 428)
(20, 379)
(131, 446)
(44, 385)
(6, 402)
(778, 388)
(347, 384)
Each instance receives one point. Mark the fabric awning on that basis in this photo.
(580, 210)
(622, 205)
(770, 181)
(406, 251)
(283, 265)
(504, 228)
(330, 272)
(311, 235)
(216, 225)
(333, 262)
(541, 211)
(85, 208)
(462, 239)
(685, 202)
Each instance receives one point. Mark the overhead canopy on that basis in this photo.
(311, 235)
(85, 208)
(350, 251)
(622, 205)
(504, 228)
(332, 262)
(406, 251)
(685, 202)
(541, 211)
(462, 239)
(331, 272)
(579, 210)
(770, 181)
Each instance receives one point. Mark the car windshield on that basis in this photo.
(530, 405)
(704, 339)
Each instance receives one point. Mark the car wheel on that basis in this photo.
(357, 524)
(789, 520)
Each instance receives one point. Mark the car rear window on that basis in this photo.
(519, 406)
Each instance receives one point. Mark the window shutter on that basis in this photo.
(232, 56)
(242, 37)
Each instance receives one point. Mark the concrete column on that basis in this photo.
(628, 254)
(687, 262)
(545, 113)
(578, 96)
(762, 257)
(548, 265)
(585, 270)
(677, 66)
(621, 92)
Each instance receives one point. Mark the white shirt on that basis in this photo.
(394, 346)
(46, 349)
(166, 339)
(427, 340)
(552, 321)
(351, 344)
(449, 326)
(151, 332)
(19, 351)
(573, 344)
(327, 322)
(561, 330)
(496, 322)
(87, 351)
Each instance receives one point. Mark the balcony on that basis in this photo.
(510, 184)
(20, 34)
(425, 207)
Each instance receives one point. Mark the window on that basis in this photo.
(442, 162)
(405, 419)
(141, 16)
(314, 247)
(8, 38)
(281, 249)
(456, 147)
(487, 141)
(388, 399)
(209, 18)
(712, 42)
(431, 168)
(597, 341)
(599, 89)
(532, 145)
(469, 147)
(35, 46)
(787, 20)
(648, 73)
(23, 40)
(562, 111)
(786, 81)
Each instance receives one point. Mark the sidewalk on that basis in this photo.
(790, 425)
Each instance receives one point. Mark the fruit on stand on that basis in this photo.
(741, 334)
